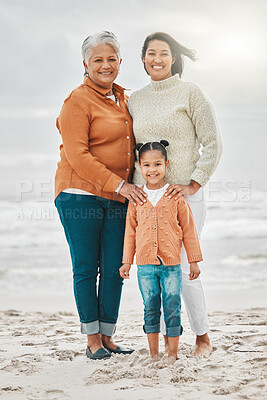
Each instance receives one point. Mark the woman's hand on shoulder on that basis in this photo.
(177, 191)
(133, 193)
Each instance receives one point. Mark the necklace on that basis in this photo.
(115, 95)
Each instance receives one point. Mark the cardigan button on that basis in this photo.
(154, 227)
(155, 244)
(128, 154)
(127, 169)
(127, 137)
(153, 209)
(126, 122)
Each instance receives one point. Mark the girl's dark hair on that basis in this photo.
(178, 51)
(160, 146)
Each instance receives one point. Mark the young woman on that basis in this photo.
(182, 113)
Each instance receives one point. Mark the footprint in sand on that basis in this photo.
(142, 352)
(11, 388)
(12, 313)
(226, 347)
(258, 359)
(259, 343)
(65, 355)
(125, 388)
(226, 390)
(212, 366)
(17, 333)
(55, 392)
(252, 338)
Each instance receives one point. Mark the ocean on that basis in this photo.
(34, 256)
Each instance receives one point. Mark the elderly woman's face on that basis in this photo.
(158, 60)
(103, 65)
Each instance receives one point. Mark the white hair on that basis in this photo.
(96, 39)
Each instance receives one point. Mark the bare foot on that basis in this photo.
(203, 346)
(154, 358)
(108, 342)
(166, 362)
(171, 360)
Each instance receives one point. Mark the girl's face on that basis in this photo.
(158, 60)
(153, 167)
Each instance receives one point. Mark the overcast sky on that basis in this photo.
(41, 60)
(41, 41)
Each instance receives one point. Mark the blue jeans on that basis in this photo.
(94, 228)
(161, 280)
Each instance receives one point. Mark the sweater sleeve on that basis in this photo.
(129, 247)
(190, 237)
(206, 127)
(74, 124)
(130, 103)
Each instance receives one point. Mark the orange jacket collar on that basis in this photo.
(87, 81)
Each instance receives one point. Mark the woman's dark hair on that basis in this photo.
(159, 146)
(178, 51)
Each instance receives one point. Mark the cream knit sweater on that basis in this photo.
(178, 111)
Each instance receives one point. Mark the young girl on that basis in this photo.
(155, 232)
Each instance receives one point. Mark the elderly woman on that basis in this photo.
(92, 181)
(179, 111)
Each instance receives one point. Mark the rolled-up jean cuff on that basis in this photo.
(90, 328)
(107, 329)
(174, 331)
(151, 328)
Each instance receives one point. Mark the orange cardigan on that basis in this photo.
(159, 231)
(98, 143)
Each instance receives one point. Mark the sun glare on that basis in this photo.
(239, 46)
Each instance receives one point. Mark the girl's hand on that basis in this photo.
(124, 271)
(194, 271)
(133, 193)
(180, 190)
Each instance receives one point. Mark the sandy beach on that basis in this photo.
(42, 357)
(42, 353)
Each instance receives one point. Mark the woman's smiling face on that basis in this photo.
(158, 60)
(103, 65)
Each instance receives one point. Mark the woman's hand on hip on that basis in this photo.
(133, 193)
(177, 191)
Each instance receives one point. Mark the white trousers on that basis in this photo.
(192, 293)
